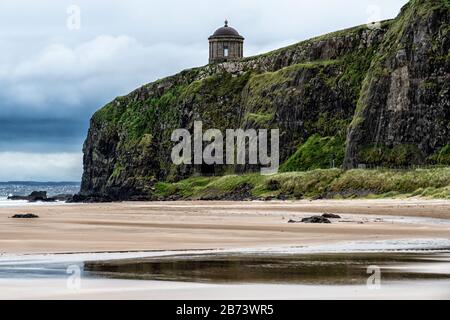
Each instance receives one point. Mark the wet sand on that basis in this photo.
(116, 289)
(146, 226)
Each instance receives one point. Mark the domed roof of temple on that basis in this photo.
(226, 31)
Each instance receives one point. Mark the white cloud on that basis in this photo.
(90, 72)
(18, 166)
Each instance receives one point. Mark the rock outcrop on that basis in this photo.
(358, 96)
(33, 197)
(41, 196)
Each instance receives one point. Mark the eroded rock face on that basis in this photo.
(390, 83)
(405, 99)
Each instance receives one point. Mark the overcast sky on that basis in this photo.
(53, 76)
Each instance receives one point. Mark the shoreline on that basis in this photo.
(410, 246)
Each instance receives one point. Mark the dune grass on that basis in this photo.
(322, 183)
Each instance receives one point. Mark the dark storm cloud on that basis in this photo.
(38, 135)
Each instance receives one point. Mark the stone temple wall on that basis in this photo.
(217, 49)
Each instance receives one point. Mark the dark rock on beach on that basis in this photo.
(331, 216)
(315, 219)
(34, 197)
(25, 216)
(38, 196)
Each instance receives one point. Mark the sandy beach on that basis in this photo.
(147, 226)
(134, 232)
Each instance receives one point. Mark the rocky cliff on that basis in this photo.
(358, 96)
(403, 110)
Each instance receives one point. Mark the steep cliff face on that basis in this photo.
(313, 92)
(403, 112)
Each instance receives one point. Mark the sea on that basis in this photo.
(22, 188)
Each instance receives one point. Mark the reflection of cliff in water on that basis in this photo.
(295, 269)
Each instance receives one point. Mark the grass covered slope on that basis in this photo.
(315, 184)
(316, 153)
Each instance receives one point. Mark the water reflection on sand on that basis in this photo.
(227, 275)
(318, 269)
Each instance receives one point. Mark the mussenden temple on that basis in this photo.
(226, 44)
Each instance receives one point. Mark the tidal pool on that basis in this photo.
(317, 269)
